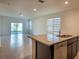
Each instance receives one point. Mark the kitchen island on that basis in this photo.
(54, 47)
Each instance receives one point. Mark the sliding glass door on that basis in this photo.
(16, 28)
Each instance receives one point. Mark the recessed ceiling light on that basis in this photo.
(66, 2)
(34, 9)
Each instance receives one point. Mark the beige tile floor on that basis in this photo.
(15, 47)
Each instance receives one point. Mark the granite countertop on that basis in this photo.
(50, 39)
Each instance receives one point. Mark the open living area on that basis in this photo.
(39, 29)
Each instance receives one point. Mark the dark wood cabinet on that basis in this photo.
(69, 49)
(72, 48)
(69, 52)
(77, 44)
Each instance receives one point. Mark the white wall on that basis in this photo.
(5, 26)
(39, 26)
(69, 22)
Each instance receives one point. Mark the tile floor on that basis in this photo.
(15, 47)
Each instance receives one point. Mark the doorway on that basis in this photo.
(16, 28)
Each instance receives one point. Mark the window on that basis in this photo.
(16, 28)
(54, 25)
(29, 27)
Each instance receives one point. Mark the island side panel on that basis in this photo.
(42, 51)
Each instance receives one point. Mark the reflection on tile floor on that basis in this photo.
(16, 46)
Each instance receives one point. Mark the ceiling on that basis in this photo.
(14, 8)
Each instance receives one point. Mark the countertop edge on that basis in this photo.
(30, 36)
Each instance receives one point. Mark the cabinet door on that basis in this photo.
(74, 49)
(69, 49)
(69, 52)
(78, 46)
(60, 51)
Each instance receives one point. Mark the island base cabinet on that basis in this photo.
(60, 51)
(64, 50)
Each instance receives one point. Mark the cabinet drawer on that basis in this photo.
(69, 52)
